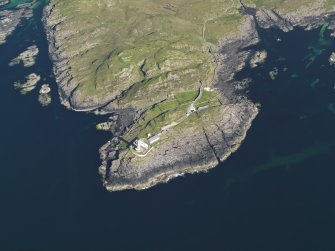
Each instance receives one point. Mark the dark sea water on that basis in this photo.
(276, 193)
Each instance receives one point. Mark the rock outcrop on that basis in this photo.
(209, 136)
(188, 150)
(258, 58)
(10, 19)
(28, 57)
(3, 3)
(30, 84)
(192, 149)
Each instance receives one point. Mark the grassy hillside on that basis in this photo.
(151, 47)
(156, 47)
(145, 52)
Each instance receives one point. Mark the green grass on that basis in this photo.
(134, 47)
(287, 6)
(185, 97)
(173, 110)
(151, 54)
(213, 33)
(330, 5)
(162, 114)
(150, 47)
(207, 98)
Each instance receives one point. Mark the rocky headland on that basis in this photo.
(197, 141)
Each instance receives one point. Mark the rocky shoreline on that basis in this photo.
(198, 150)
(3, 3)
(10, 19)
(194, 153)
(62, 70)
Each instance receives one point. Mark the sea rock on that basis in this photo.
(29, 85)
(242, 85)
(44, 99)
(28, 57)
(44, 96)
(105, 126)
(258, 58)
(274, 73)
(45, 89)
(332, 58)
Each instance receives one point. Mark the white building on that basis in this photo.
(153, 139)
(140, 146)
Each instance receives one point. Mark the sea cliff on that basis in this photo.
(203, 138)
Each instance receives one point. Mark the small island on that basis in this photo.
(30, 84)
(28, 57)
(44, 97)
(167, 78)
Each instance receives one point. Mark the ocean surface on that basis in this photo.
(277, 192)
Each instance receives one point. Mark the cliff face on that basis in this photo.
(160, 51)
(187, 149)
(159, 98)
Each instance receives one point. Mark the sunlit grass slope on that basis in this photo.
(145, 53)
(151, 48)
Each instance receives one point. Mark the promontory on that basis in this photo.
(164, 71)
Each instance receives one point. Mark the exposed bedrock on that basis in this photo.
(187, 148)
(192, 149)
(10, 19)
(196, 151)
